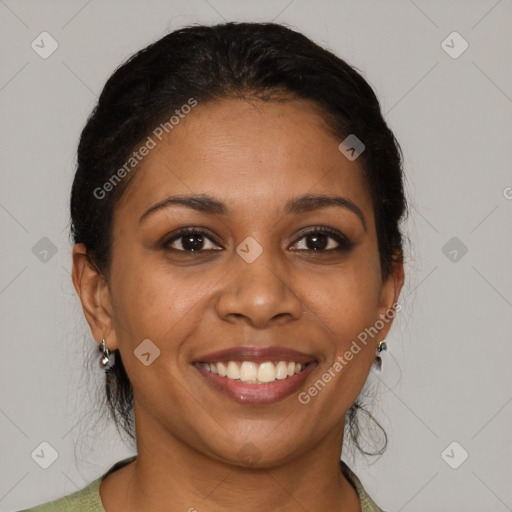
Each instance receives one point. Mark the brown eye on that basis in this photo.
(324, 239)
(191, 240)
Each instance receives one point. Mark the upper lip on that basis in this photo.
(256, 355)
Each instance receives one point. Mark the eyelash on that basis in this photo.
(344, 244)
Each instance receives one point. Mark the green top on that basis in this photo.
(88, 499)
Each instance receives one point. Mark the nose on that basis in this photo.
(259, 293)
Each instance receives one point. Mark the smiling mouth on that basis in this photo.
(251, 383)
(255, 373)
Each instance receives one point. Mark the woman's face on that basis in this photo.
(250, 285)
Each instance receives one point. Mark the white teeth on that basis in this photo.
(248, 371)
(281, 370)
(233, 371)
(267, 372)
(254, 373)
(221, 369)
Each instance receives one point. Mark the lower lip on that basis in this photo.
(256, 394)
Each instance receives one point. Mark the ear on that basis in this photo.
(94, 295)
(391, 288)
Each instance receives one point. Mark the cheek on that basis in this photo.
(345, 300)
(154, 302)
(346, 309)
(163, 308)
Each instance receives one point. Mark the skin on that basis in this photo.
(253, 156)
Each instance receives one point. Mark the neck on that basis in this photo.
(169, 475)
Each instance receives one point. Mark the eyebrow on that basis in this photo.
(302, 204)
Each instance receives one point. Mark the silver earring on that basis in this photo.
(106, 358)
(382, 346)
(378, 360)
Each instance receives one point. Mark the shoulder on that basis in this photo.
(86, 500)
(367, 504)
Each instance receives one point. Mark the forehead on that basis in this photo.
(253, 155)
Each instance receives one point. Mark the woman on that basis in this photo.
(238, 257)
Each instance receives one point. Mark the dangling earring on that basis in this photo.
(106, 358)
(378, 360)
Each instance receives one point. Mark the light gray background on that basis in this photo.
(447, 376)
